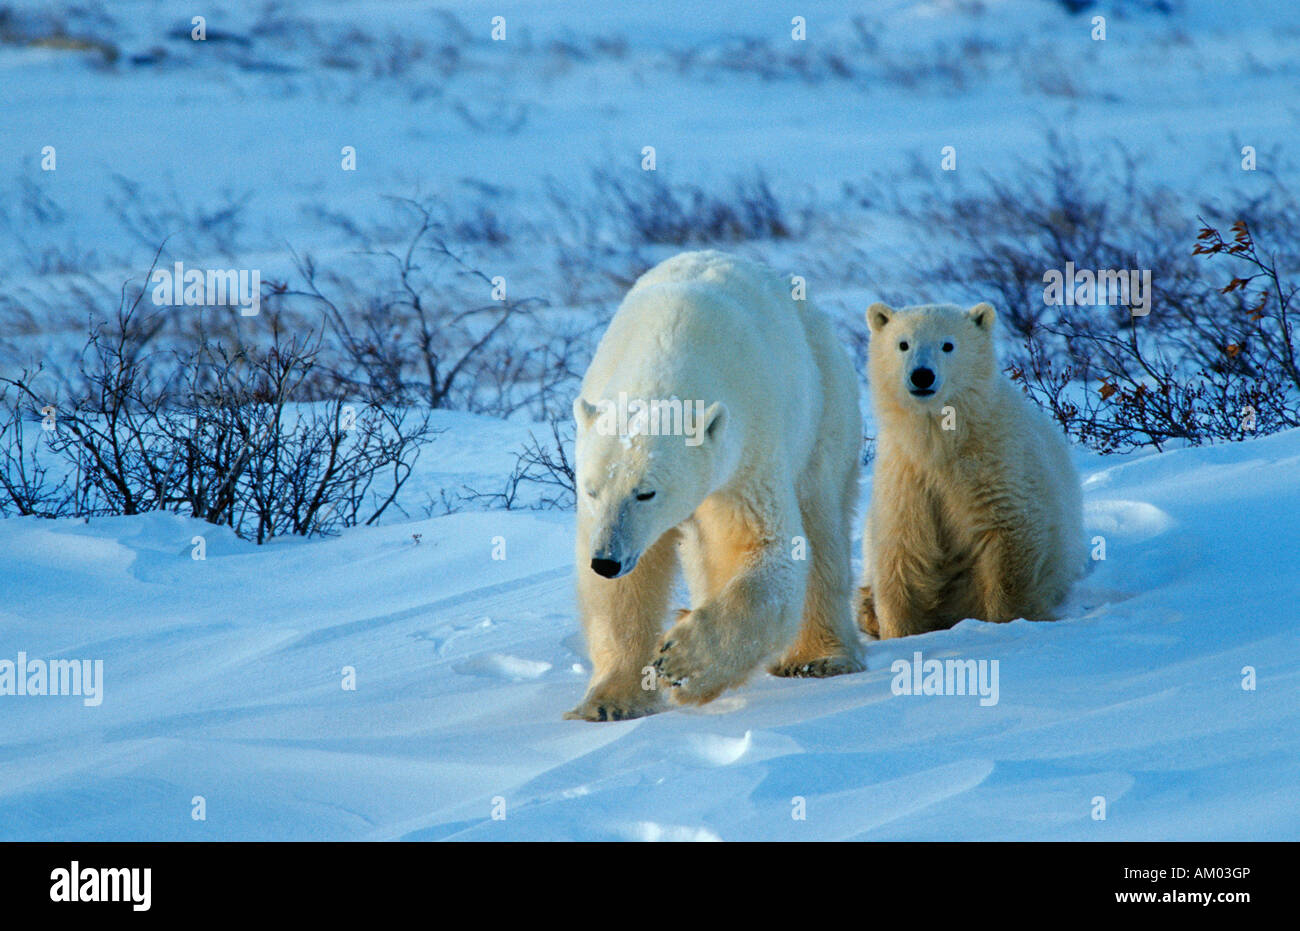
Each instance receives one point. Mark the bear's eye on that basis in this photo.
(645, 496)
(947, 347)
(903, 345)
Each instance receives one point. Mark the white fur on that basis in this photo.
(981, 520)
(778, 461)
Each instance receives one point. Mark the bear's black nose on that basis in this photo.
(606, 568)
(922, 377)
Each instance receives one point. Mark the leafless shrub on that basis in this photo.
(1136, 395)
(28, 486)
(437, 334)
(997, 243)
(1270, 333)
(493, 118)
(545, 466)
(173, 219)
(217, 433)
(108, 428)
(650, 210)
(1210, 362)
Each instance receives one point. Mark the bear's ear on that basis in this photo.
(583, 412)
(983, 316)
(878, 315)
(715, 421)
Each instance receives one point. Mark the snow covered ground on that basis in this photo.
(223, 678)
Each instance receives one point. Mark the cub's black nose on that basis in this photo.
(606, 568)
(922, 377)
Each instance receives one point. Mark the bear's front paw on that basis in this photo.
(686, 661)
(608, 708)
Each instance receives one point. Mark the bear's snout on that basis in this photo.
(922, 378)
(606, 568)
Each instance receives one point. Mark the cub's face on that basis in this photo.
(634, 486)
(923, 357)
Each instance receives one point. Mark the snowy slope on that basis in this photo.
(223, 680)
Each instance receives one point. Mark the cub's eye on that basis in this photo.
(947, 347)
(645, 496)
(903, 346)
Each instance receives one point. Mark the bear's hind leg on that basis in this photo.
(827, 642)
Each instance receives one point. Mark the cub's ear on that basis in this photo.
(983, 316)
(878, 315)
(715, 421)
(583, 413)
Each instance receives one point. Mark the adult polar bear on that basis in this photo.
(755, 502)
(975, 505)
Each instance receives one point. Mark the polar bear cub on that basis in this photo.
(975, 505)
(718, 430)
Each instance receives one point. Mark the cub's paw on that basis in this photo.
(820, 668)
(686, 661)
(610, 708)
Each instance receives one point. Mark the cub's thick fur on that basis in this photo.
(975, 505)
